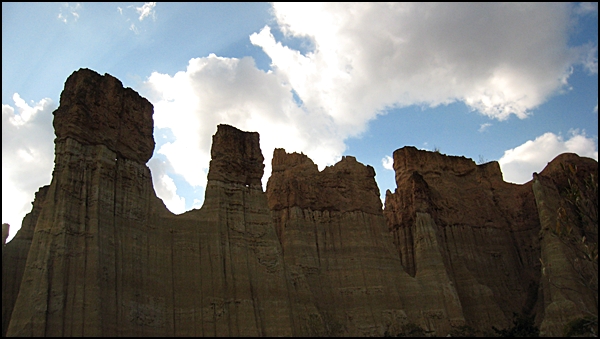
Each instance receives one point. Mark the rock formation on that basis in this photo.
(485, 234)
(315, 254)
(567, 288)
(107, 258)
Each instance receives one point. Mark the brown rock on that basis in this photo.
(5, 231)
(236, 157)
(315, 255)
(569, 292)
(486, 231)
(97, 110)
(346, 186)
(346, 278)
(107, 258)
(14, 257)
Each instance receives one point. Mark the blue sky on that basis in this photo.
(515, 83)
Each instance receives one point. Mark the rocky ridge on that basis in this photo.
(313, 255)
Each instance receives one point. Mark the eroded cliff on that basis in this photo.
(488, 236)
(313, 255)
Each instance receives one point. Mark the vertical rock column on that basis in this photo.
(100, 183)
(566, 295)
(344, 276)
(243, 283)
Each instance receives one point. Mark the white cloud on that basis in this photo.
(499, 59)
(484, 127)
(146, 10)
(519, 163)
(388, 163)
(164, 186)
(27, 156)
(590, 58)
(197, 204)
(215, 90)
(67, 9)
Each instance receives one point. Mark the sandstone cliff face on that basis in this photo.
(485, 235)
(567, 291)
(313, 255)
(107, 258)
(97, 110)
(339, 255)
(85, 267)
(454, 224)
(14, 257)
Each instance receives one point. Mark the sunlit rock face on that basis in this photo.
(338, 251)
(100, 255)
(107, 258)
(570, 285)
(489, 236)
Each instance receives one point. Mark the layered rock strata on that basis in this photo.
(107, 258)
(342, 266)
(483, 235)
(315, 254)
(569, 285)
(14, 257)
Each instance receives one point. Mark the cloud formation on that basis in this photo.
(27, 156)
(498, 59)
(388, 163)
(519, 163)
(164, 186)
(215, 90)
(483, 127)
(146, 10)
(67, 9)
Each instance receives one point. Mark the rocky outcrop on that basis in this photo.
(14, 257)
(485, 235)
(97, 110)
(339, 256)
(107, 258)
(100, 255)
(569, 288)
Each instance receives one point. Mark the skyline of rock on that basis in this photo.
(314, 254)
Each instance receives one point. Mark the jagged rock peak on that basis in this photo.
(345, 186)
(96, 109)
(236, 157)
(409, 159)
(283, 160)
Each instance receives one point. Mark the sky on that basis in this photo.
(515, 82)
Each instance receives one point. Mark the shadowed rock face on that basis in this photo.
(236, 157)
(97, 110)
(313, 255)
(490, 235)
